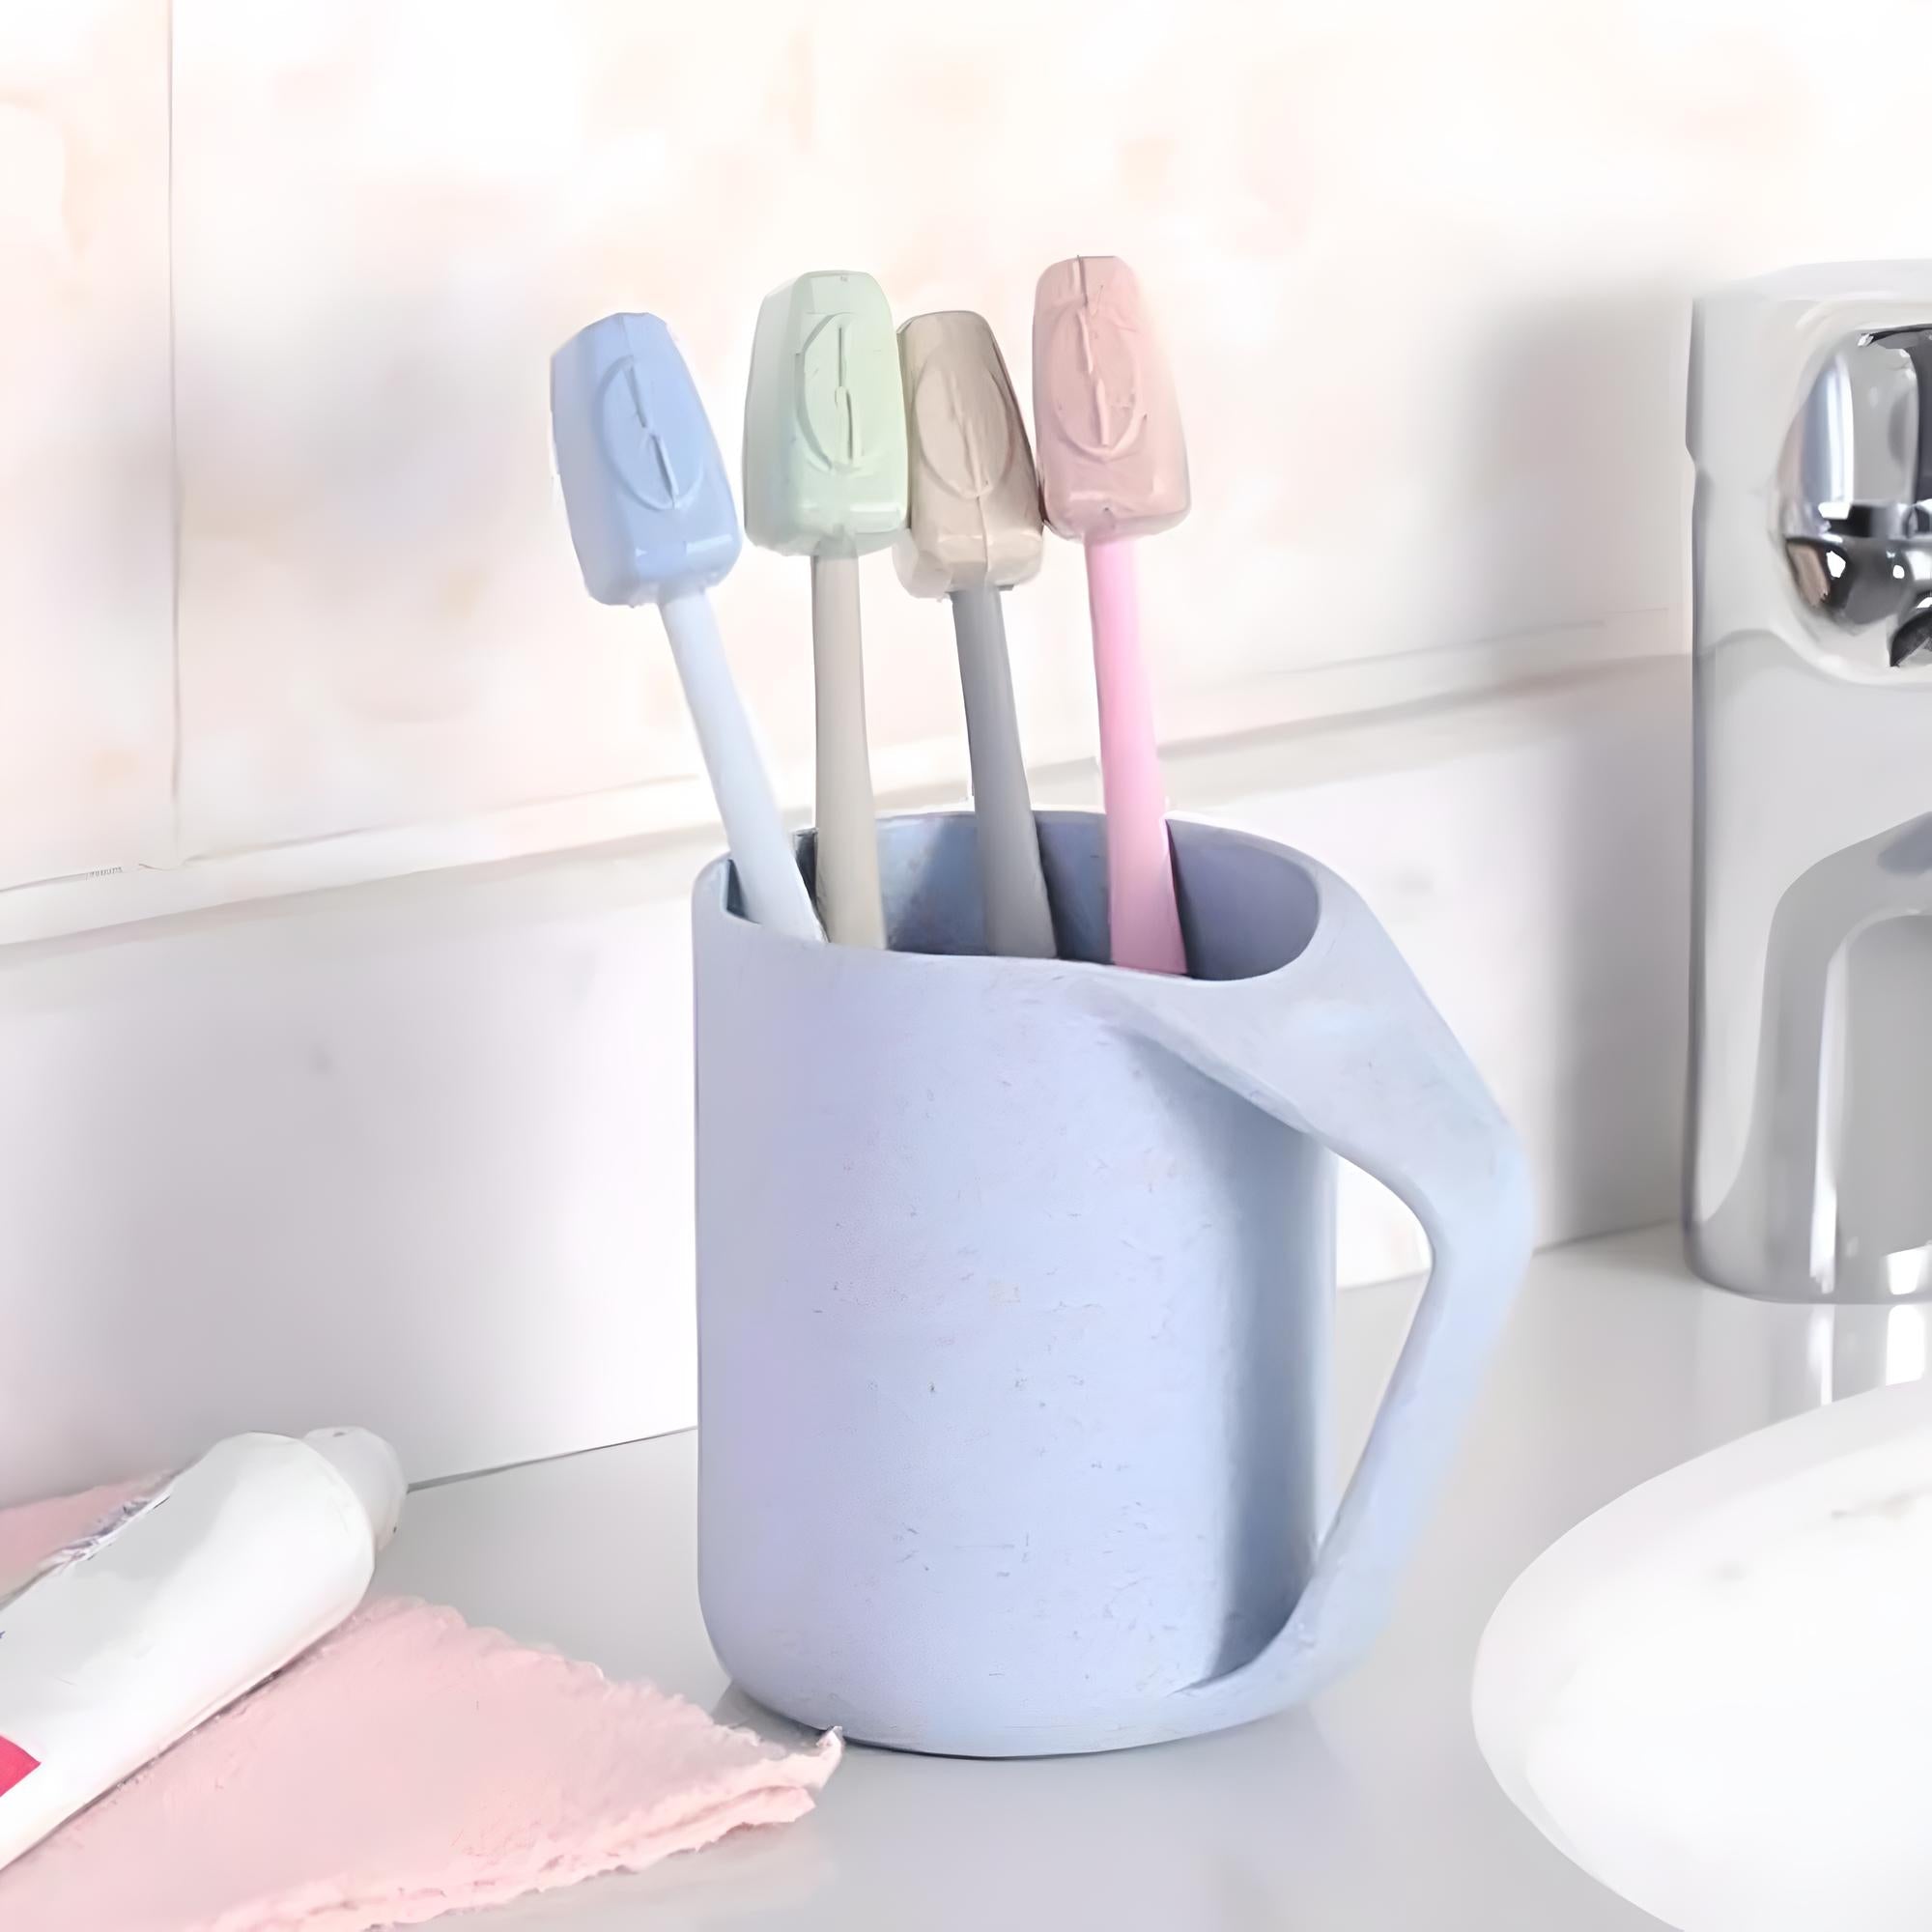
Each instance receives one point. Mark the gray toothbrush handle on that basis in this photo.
(848, 840)
(1019, 923)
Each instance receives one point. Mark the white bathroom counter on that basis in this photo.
(1371, 1811)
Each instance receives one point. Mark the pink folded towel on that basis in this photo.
(407, 1767)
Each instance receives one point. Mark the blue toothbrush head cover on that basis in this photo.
(644, 488)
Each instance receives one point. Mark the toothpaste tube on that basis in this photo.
(179, 1603)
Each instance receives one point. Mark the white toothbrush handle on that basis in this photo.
(761, 850)
(848, 837)
(1019, 923)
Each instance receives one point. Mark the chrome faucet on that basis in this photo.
(1857, 509)
(1811, 423)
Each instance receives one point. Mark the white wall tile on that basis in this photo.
(86, 575)
(405, 1156)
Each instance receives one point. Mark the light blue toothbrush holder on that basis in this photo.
(1014, 1285)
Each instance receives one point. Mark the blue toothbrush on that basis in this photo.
(653, 520)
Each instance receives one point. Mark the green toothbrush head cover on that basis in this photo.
(825, 432)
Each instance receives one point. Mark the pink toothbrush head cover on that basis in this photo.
(1113, 462)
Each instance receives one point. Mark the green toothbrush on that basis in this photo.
(825, 477)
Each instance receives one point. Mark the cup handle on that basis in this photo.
(1343, 1045)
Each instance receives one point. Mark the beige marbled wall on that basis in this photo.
(1423, 272)
(86, 680)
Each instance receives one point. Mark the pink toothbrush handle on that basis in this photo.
(1144, 919)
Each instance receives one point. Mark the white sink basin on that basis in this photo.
(1715, 1694)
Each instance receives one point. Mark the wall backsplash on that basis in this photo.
(1435, 412)
(419, 1153)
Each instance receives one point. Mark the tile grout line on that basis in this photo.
(174, 477)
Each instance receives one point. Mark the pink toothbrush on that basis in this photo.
(1113, 466)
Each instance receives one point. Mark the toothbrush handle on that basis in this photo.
(849, 839)
(1142, 911)
(761, 851)
(1019, 922)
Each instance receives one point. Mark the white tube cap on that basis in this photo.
(371, 1468)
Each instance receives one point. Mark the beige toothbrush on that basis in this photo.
(973, 530)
